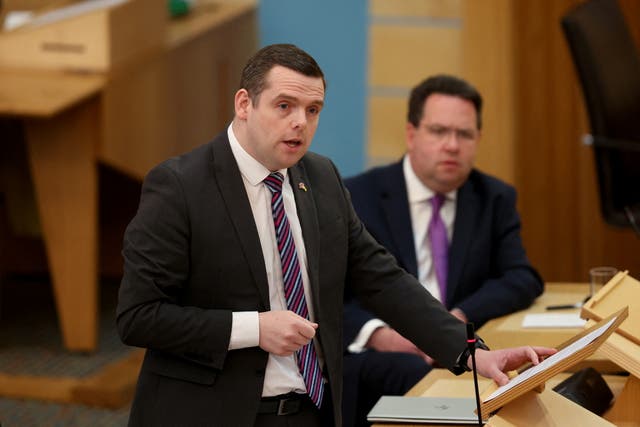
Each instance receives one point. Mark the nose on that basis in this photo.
(452, 140)
(298, 119)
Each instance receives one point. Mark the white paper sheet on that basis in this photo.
(553, 320)
(65, 12)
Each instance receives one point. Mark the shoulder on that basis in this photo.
(375, 177)
(489, 185)
(195, 163)
(319, 167)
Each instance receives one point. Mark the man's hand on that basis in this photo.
(388, 339)
(494, 364)
(284, 332)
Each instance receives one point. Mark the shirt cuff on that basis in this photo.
(360, 343)
(245, 330)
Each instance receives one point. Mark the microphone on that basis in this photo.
(471, 345)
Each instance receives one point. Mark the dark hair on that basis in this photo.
(446, 85)
(254, 74)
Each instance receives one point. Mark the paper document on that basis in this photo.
(65, 12)
(552, 360)
(553, 320)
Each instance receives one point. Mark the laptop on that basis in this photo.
(427, 410)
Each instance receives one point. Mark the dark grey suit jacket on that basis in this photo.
(193, 256)
(489, 273)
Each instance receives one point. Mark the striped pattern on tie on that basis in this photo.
(293, 287)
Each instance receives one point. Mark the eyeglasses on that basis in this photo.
(441, 133)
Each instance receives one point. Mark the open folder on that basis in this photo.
(451, 410)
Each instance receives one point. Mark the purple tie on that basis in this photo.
(293, 288)
(437, 233)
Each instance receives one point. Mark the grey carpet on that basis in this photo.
(31, 344)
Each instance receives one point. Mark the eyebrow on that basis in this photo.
(286, 97)
(457, 129)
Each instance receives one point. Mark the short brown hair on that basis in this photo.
(445, 85)
(287, 55)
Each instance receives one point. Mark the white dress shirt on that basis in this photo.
(419, 197)
(282, 374)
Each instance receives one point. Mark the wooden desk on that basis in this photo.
(130, 119)
(506, 331)
(441, 382)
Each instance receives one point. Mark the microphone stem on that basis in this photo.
(471, 346)
(475, 384)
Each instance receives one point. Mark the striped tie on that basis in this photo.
(293, 288)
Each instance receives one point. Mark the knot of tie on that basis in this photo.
(274, 182)
(437, 201)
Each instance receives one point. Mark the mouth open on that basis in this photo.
(293, 142)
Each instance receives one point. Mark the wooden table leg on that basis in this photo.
(62, 153)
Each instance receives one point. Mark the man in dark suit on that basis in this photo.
(487, 271)
(236, 263)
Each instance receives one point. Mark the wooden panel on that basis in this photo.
(43, 94)
(138, 125)
(491, 72)
(517, 56)
(96, 41)
(176, 102)
(403, 55)
(431, 8)
(404, 39)
(631, 11)
(387, 121)
(563, 230)
(549, 141)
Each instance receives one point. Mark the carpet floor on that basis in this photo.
(31, 344)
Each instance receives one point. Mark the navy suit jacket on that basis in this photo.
(489, 273)
(193, 257)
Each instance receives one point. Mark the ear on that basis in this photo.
(242, 103)
(410, 131)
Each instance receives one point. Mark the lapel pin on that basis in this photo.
(302, 187)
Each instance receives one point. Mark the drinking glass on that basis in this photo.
(598, 277)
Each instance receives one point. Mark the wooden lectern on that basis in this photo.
(623, 346)
(528, 403)
(525, 401)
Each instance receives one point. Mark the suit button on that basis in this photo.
(260, 372)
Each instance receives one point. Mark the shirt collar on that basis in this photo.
(416, 191)
(251, 169)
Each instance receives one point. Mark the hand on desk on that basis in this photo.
(284, 332)
(494, 364)
(387, 339)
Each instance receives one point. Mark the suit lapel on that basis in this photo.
(235, 198)
(466, 207)
(395, 204)
(307, 214)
